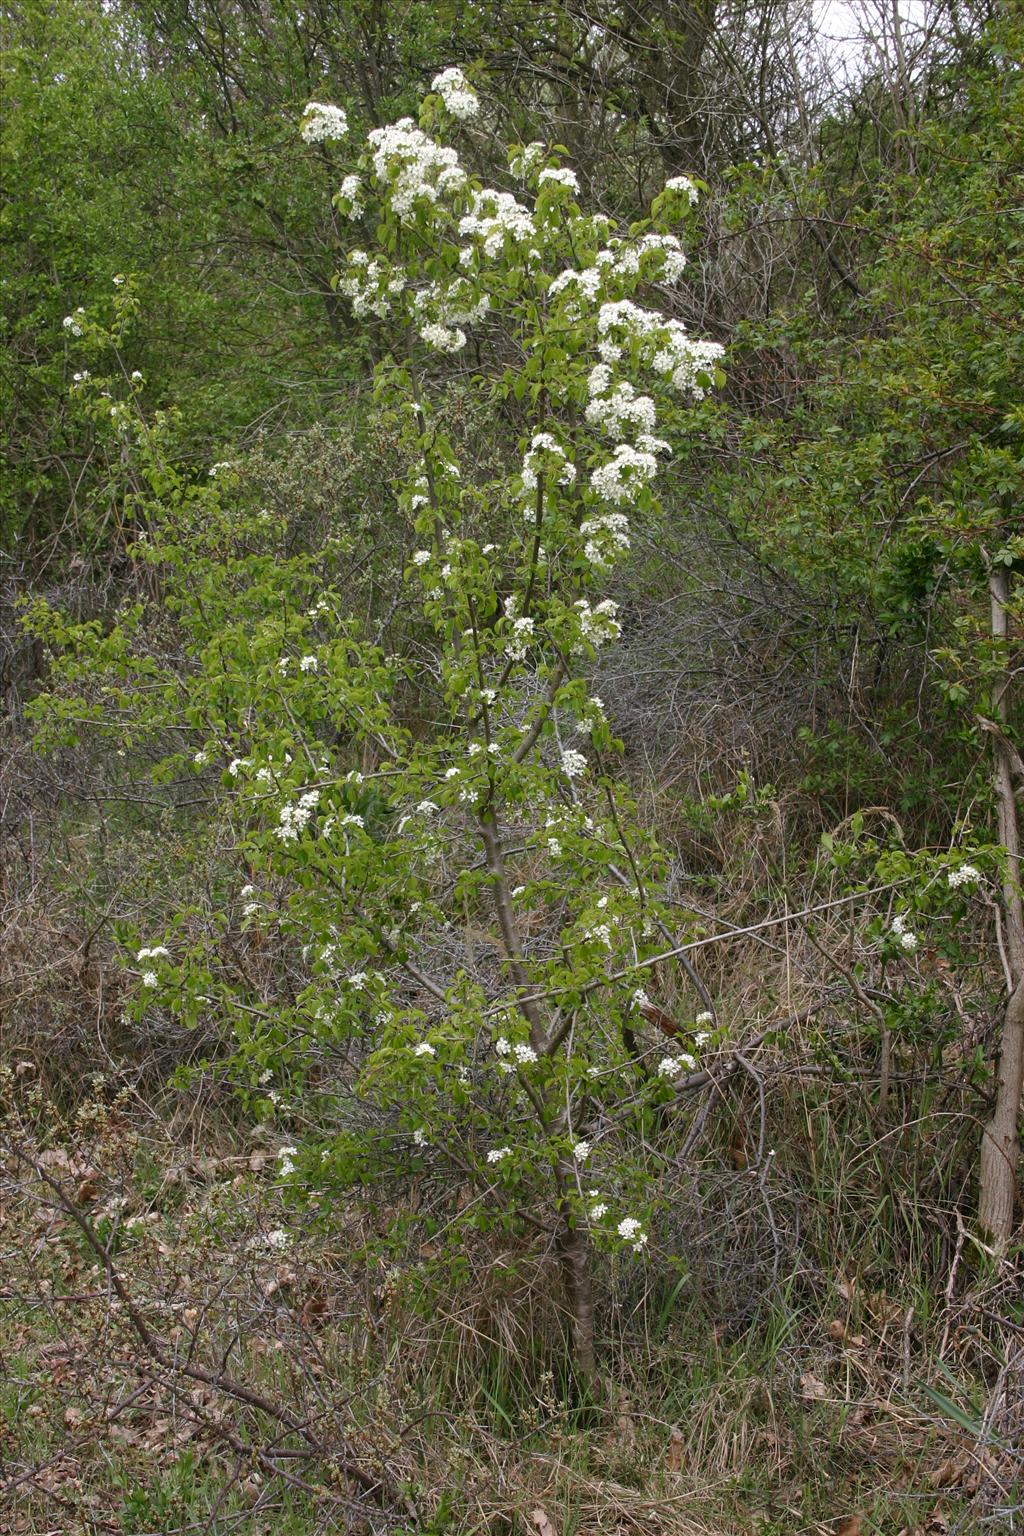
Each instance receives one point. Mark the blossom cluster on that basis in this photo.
(371, 285)
(598, 624)
(495, 217)
(967, 874)
(685, 185)
(672, 1066)
(621, 408)
(628, 469)
(457, 94)
(293, 819)
(903, 935)
(413, 166)
(546, 452)
(321, 122)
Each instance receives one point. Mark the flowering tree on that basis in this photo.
(508, 1058)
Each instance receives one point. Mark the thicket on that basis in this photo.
(607, 902)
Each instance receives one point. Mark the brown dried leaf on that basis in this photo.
(541, 1522)
(852, 1525)
(948, 1473)
(674, 1455)
(812, 1388)
(839, 1331)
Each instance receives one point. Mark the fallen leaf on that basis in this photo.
(852, 1525)
(838, 1330)
(674, 1456)
(948, 1473)
(312, 1311)
(541, 1520)
(812, 1388)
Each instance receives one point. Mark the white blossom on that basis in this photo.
(621, 408)
(598, 1210)
(496, 1154)
(517, 643)
(606, 537)
(559, 176)
(683, 358)
(494, 218)
(544, 445)
(350, 190)
(293, 819)
(682, 184)
(456, 93)
(672, 253)
(630, 1230)
(581, 1151)
(413, 168)
(579, 286)
(309, 664)
(424, 1049)
(628, 469)
(321, 122)
(150, 978)
(967, 874)
(573, 763)
(443, 338)
(905, 939)
(524, 159)
(598, 625)
(671, 1066)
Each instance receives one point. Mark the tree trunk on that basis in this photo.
(1000, 1146)
(580, 1299)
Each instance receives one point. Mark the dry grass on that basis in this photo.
(412, 1404)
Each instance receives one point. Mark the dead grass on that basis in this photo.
(343, 1387)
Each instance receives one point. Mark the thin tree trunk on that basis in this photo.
(576, 1271)
(1000, 1146)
